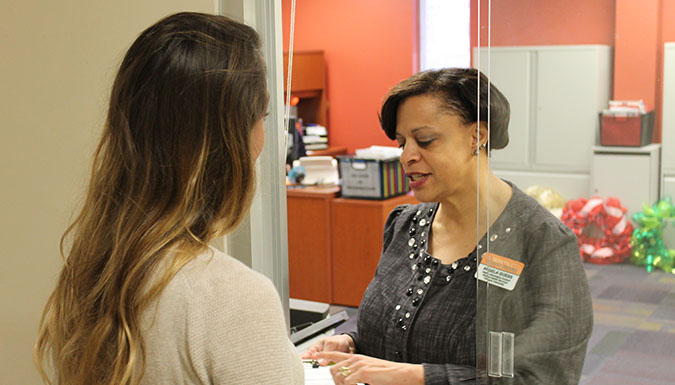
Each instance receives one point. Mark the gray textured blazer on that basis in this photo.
(419, 310)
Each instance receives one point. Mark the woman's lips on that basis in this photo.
(416, 180)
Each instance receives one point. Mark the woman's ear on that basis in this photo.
(479, 136)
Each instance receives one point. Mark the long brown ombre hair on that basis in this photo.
(174, 168)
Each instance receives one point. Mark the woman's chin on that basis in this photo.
(422, 195)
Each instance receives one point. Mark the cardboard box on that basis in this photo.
(371, 178)
(621, 130)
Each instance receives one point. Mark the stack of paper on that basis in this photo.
(624, 108)
(315, 137)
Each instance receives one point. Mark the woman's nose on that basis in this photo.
(409, 155)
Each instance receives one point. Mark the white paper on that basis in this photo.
(317, 376)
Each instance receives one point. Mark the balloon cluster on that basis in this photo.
(602, 231)
(647, 240)
(549, 198)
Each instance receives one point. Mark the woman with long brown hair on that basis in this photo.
(142, 298)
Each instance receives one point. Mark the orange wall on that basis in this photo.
(636, 50)
(638, 55)
(368, 46)
(667, 24)
(545, 22)
(371, 45)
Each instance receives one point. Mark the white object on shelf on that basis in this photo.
(318, 169)
(378, 152)
(625, 108)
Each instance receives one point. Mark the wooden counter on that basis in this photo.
(357, 243)
(309, 243)
(334, 244)
(330, 151)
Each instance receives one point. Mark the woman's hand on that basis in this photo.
(342, 343)
(359, 369)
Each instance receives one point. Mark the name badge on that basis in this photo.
(499, 271)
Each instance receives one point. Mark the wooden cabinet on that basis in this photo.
(356, 237)
(334, 244)
(309, 84)
(309, 242)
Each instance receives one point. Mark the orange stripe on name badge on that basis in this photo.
(502, 263)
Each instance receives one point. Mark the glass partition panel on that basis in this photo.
(587, 200)
(529, 219)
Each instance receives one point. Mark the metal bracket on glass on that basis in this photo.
(500, 357)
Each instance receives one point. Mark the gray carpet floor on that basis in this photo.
(633, 340)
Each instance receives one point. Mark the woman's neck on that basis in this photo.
(459, 211)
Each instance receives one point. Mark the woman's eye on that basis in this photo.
(424, 143)
(400, 145)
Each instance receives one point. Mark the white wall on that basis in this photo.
(58, 61)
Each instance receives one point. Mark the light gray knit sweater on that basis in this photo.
(218, 322)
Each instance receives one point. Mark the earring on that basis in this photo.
(479, 149)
